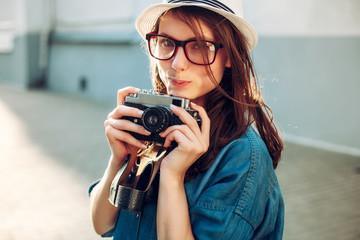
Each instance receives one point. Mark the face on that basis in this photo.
(181, 77)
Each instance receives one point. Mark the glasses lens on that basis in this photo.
(161, 47)
(197, 52)
(201, 52)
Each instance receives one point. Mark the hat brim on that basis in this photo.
(147, 20)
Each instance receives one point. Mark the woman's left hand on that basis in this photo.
(192, 141)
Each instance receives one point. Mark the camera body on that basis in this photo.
(157, 115)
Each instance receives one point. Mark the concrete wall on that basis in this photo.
(21, 24)
(312, 85)
(75, 27)
(307, 59)
(95, 49)
(95, 70)
(307, 17)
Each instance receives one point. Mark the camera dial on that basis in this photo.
(156, 119)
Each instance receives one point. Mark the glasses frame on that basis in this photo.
(183, 45)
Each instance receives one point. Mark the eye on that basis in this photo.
(202, 45)
(166, 43)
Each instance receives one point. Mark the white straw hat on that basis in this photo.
(230, 9)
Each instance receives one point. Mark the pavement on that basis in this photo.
(53, 146)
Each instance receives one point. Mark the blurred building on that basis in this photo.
(89, 48)
(307, 58)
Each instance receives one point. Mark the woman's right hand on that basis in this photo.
(121, 142)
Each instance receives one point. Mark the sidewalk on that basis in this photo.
(52, 147)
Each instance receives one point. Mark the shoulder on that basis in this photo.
(260, 201)
(240, 184)
(260, 187)
(247, 154)
(250, 145)
(238, 165)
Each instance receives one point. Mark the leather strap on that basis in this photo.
(135, 178)
(129, 199)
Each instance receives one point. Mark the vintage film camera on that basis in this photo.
(157, 115)
(137, 180)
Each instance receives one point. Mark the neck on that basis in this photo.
(199, 101)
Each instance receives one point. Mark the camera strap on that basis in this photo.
(131, 184)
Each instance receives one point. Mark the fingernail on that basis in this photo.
(137, 90)
(140, 112)
(143, 146)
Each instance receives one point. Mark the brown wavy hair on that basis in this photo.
(236, 103)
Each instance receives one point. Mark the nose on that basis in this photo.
(179, 61)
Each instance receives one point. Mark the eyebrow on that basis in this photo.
(167, 35)
(190, 39)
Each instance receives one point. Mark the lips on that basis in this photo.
(178, 83)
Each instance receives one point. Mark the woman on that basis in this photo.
(219, 182)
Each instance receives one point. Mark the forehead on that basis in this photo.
(184, 27)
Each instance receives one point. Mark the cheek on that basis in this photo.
(218, 67)
(162, 71)
(218, 73)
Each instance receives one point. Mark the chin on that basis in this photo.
(177, 94)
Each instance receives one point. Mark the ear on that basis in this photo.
(228, 63)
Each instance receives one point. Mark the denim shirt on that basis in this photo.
(238, 197)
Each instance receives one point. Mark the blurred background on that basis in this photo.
(62, 61)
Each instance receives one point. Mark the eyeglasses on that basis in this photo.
(197, 52)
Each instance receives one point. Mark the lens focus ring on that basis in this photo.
(156, 119)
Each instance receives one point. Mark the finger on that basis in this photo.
(122, 110)
(205, 120)
(177, 136)
(114, 134)
(194, 146)
(186, 118)
(124, 92)
(200, 143)
(127, 125)
(183, 129)
(203, 134)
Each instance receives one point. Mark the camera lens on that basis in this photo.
(156, 119)
(152, 120)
